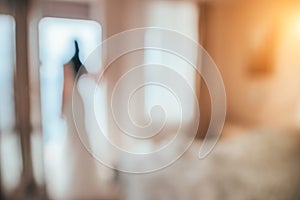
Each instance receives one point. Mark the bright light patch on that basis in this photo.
(56, 40)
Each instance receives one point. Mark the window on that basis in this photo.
(183, 18)
(56, 39)
(11, 166)
(7, 54)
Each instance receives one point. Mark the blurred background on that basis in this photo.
(255, 45)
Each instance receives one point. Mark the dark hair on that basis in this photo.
(77, 66)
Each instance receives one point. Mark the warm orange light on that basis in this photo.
(297, 24)
(294, 23)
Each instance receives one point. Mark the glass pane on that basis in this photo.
(181, 17)
(7, 118)
(63, 150)
(56, 37)
(11, 166)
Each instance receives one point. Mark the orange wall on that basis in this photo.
(256, 46)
